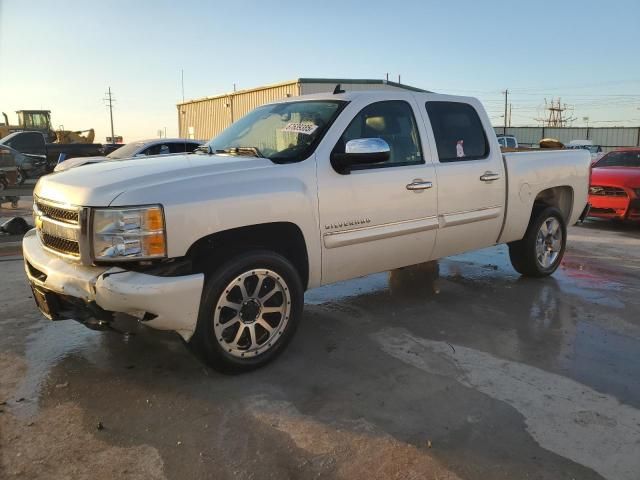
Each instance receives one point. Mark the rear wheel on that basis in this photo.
(541, 250)
(249, 312)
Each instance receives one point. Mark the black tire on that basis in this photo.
(523, 253)
(212, 348)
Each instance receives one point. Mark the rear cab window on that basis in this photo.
(458, 131)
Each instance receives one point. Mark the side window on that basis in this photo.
(393, 122)
(458, 131)
(511, 142)
(153, 150)
(181, 147)
(178, 147)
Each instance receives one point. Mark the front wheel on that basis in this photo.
(249, 312)
(541, 250)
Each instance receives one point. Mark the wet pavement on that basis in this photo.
(472, 373)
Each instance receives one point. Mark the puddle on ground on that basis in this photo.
(46, 348)
(487, 267)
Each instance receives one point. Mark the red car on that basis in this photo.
(615, 185)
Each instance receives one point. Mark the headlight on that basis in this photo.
(129, 233)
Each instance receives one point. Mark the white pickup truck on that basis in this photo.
(220, 245)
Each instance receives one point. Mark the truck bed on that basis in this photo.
(532, 173)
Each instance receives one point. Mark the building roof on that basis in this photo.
(342, 81)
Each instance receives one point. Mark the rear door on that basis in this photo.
(470, 176)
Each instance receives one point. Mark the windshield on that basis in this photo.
(283, 132)
(620, 159)
(126, 151)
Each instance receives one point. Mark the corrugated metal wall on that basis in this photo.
(608, 137)
(203, 119)
(243, 103)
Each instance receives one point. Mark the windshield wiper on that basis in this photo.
(241, 151)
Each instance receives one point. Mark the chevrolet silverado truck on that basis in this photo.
(220, 245)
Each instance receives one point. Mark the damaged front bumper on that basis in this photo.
(65, 290)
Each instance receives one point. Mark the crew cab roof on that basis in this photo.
(377, 95)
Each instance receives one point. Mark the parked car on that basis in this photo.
(614, 192)
(507, 141)
(595, 150)
(220, 245)
(8, 168)
(35, 143)
(143, 148)
(26, 166)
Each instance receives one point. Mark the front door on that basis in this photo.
(380, 216)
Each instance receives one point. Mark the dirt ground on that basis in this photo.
(474, 373)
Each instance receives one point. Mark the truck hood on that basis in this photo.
(616, 176)
(99, 184)
(76, 162)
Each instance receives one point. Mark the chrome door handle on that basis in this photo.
(418, 184)
(489, 177)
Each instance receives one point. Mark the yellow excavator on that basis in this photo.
(40, 121)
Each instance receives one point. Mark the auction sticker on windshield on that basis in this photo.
(305, 128)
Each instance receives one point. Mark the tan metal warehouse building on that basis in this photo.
(204, 118)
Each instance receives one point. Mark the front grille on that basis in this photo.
(602, 210)
(62, 245)
(57, 213)
(599, 191)
(58, 227)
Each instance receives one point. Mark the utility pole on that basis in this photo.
(506, 104)
(109, 99)
(510, 115)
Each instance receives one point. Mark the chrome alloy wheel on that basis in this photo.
(252, 313)
(548, 242)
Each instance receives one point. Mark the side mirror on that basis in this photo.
(361, 151)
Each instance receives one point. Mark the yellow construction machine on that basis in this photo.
(40, 121)
(80, 136)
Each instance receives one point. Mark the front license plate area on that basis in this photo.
(47, 303)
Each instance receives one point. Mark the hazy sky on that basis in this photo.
(62, 55)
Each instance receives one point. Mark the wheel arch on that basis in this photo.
(560, 197)
(284, 238)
